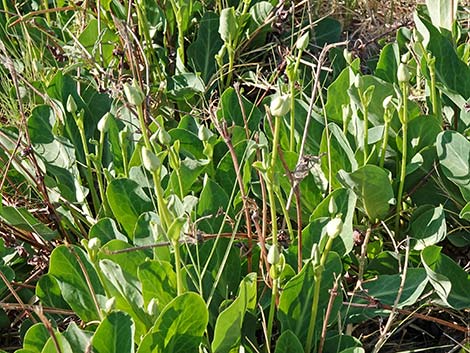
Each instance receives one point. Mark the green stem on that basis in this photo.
(89, 172)
(143, 126)
(285, 213)
(366, 133)
(98, 166)
(179, 275)
(316, 294)
(5, 8)
(180, 183)
(384, 141)
(292, 101)
(271, 181)
(404, 121)
(272, 309)
(436, 107)
(231, 61)
(272, 202)
(163, 211)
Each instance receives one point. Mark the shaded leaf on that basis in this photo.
(227, 333)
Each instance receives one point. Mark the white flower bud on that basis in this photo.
(332, 208)
(302, 42)
(134, 94)
(164, 137)
(150, 160)
(103, 124)
(273, 255)
(110, 304)
(203, 133)
(94, 244)
(280, 105)
(403, 74)
(334, 227)
(71, 105)
(152, 307)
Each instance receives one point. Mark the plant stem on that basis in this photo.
(272, 309)
(163, 211)
(318, 273)
(404, 121)
(436, 106)
(179, 275)
(271, 181)
(143, 126)
(292, 101)
(89, 171)
(385, 138)
(362, 259)
(366, 133)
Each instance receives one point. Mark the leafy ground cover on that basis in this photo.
(185, 176)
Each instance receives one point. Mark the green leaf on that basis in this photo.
(227, 332)
(9, 275)
(387, 65)
(105, 230)
(428, 227)
(78, 339)
(35, 338)
(345, 201)
(211, 199)
(20, 217)
(128, 201)
(189, 170)
(384, 288)
(451, 72)
(231, 111)
(128, 293)
(228, 26)
(450, 281)
(465, 212)
(115, 334)
(453, 151)
(337, 95)
(296, 298)
(327, 31)
(422, 133)
(51, 344)
(99, 45)
(288, 342)
(184, 86)
(201, 52)
(65, 267)
(340, 152)
(372, 186)
(48, 290)
(190, 145)
(179, 328)
(158, 281)
(442, 12)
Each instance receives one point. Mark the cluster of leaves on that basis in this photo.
(197, 184)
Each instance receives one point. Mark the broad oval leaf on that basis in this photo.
(372, 186)
(341, 155)
(450, 281)
(428, 227)
(179, 328)
(65, 266)
(288, 342)
(128, 201)
(453, 151)
(296, 298)
(227, 333)
(115, 334)
(384, 288)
